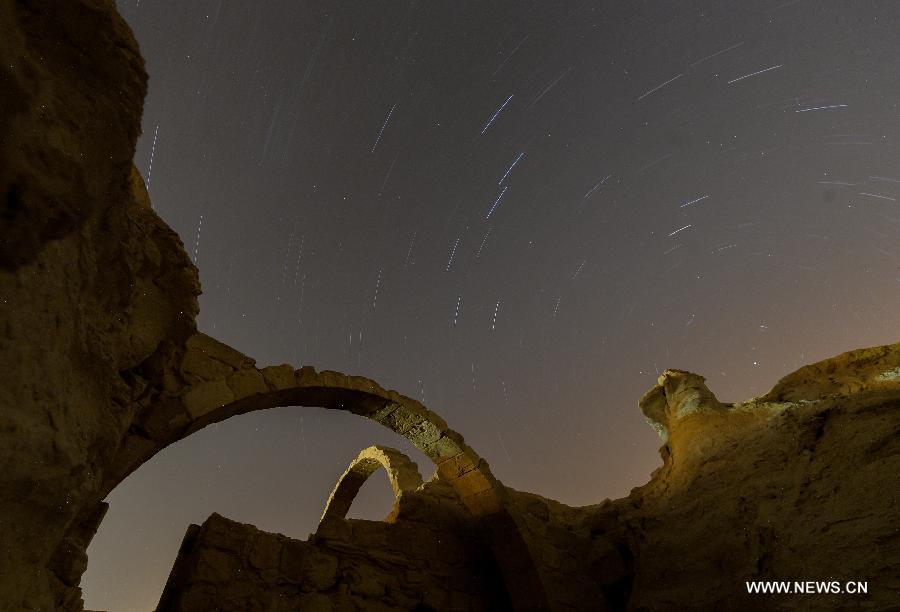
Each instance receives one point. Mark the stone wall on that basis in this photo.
(427, 555)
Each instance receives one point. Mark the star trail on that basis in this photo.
(518, 213)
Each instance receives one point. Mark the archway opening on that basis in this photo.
(223, 384)
(375, 499)
(248, 470)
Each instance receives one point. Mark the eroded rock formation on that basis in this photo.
(92, 283)
(799, 483)
(102, 367)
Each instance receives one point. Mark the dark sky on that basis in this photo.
(516, 212)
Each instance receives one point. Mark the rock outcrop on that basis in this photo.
(799, 484)
(92, 283)
(102, 367)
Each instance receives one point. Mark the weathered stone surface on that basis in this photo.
(87, 105)
(244, 383)
(402, 473)
(211, 573)
(197, 367)
(93, 282)
(207, 396)
(788, 486)
(212, 348)
(279, 377)
(865, 369)
(265, 553)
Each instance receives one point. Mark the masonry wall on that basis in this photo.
(426, 556)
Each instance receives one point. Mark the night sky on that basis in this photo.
(518, 213)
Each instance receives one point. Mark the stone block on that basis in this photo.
(216, 566)
(198, 365)
(366, 581)
(304, 563)
(442, 449)
(225, 534)
(171, 384)
(245, 383)
(367, 385)
(452, 468)
(424, 434)
(484, 503)
(307, 377)
(265, 552)
(219, 351)
(401, 420)
(205, 397)
(388, 559)
(331, 530)
(380, 414)
(330, 378)
(293, 553)
(319, 571)
(279, 377)
(371, 534)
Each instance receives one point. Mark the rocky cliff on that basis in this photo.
(92, 283)
(799, 484)
(102, 367)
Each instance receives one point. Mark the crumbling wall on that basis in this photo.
(207, 382)
(428, 555)
(431, 550)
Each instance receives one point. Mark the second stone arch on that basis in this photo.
(402, 473)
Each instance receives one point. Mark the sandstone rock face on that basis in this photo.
(799, 484)
(101, 367)
(73, 86)
(92, 283)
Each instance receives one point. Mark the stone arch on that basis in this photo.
(402, 472)
(218, 382)
(207, 382)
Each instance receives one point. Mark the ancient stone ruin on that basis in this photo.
(103, 367)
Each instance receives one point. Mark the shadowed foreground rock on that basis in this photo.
(101, 367)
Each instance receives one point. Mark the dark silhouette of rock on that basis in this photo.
(95, 286)
(102, 367)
